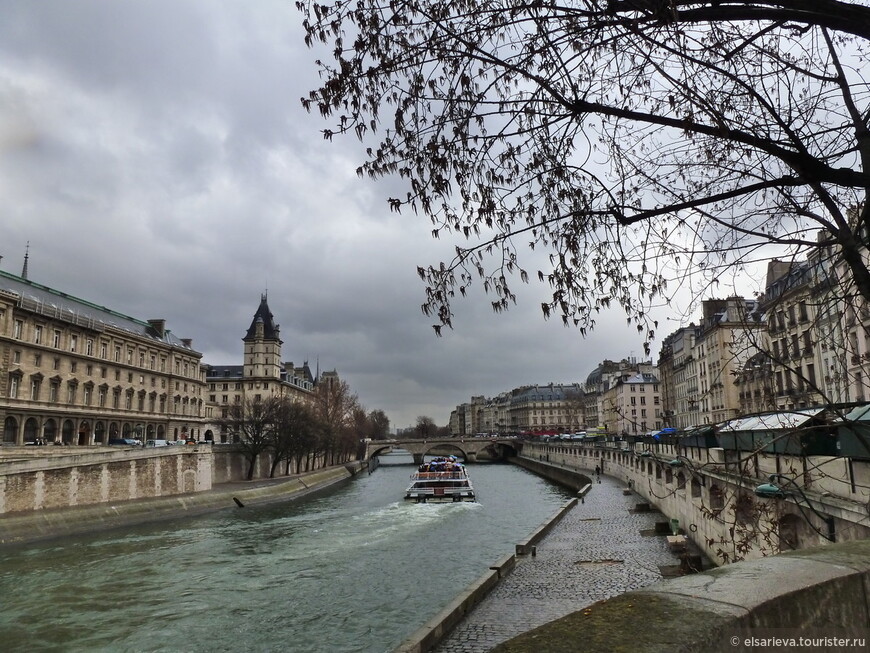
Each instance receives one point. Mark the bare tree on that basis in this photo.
(643, 144)
(426, 427)
(334, 406)
(575, 402)
(379, 425)
(294, 436)
(251, 424)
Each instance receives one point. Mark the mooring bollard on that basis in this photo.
(534, 551)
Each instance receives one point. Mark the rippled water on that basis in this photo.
(352, 569)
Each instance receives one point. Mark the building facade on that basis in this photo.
(731, 332)
(547, 408)
(262, 374)
(632, 405)
(602, 379)
(707, 361)
(552, 408)
(75, 373)
(678, 375)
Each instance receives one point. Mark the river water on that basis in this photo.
(353, 568)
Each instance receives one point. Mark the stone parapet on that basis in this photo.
(814, 593)
(47, 524)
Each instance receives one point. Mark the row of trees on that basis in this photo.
(298, 434)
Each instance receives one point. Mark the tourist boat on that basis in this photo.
(442, 479)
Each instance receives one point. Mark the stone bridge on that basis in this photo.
(466, 448)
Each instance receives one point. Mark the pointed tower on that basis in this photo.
(26, 256)
(263, 345)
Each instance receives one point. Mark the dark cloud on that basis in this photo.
(156, 157)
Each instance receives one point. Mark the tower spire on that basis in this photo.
(26, 256)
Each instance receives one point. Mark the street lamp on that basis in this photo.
(771, 490)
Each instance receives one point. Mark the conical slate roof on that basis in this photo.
(264, 315)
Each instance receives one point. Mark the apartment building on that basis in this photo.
(731, 332)
(701, 363)
(678, 376)
(493, 414)
(552, 407)
(532, 408)
(632, 405)
(73, 372)
(791, 308)
(603, 378)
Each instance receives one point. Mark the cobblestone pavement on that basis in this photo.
(595, 552)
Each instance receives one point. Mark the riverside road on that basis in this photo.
(596, 552)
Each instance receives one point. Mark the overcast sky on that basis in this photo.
(156, 157)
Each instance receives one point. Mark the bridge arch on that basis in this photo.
(466, 448)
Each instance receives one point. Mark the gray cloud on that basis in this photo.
(157, 159)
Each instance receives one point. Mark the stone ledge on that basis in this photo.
(824, 588)
(525, 547)
(505, 566)
(433, 631)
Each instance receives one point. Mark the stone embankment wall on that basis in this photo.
(714, 501)
(566, 476)
(100, 475)
(47, 478)
(18, 528)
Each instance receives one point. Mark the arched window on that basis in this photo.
(696, 488)
(10, 430)
(49, 430)
(69, 432)
(31, 430)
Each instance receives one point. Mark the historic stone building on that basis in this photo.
(731, 332)
(677, 371)
(73, 372)
(702, 365)
(262, 373)
(550, 408)
(632, 405)
(601, 380)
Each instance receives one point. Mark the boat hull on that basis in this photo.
(441, 481)
(420, 497)
(429, 489)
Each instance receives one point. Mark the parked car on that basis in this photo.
(123, 442)
(156, 443)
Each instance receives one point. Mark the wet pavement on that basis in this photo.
(596, 552)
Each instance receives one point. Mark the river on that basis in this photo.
(353, 568)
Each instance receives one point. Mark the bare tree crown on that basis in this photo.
(631, 140)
